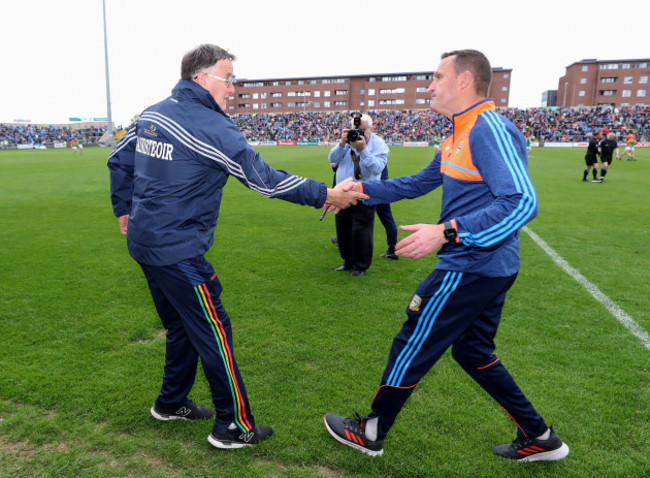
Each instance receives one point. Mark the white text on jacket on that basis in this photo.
(155, 149)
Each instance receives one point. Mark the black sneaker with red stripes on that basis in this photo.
(534, 449)
(352, 432)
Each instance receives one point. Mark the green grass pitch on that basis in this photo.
(81, 347)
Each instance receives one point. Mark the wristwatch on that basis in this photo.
(450, 232)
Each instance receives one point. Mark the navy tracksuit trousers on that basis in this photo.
(186, 296)
(461, 311)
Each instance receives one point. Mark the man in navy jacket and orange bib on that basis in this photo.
(487, 197)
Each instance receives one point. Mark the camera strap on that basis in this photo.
(357, 167)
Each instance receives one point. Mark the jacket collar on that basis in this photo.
(468, 117)
(190, 90)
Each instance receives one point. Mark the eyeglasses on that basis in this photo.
(227, 81)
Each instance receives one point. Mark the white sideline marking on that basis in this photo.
(618, 313)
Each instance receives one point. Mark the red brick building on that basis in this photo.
(613, 82)
(382, 91)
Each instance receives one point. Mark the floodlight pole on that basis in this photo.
(109, 115)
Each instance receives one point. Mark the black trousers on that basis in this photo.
(354, 229)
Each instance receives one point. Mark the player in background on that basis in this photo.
(630, 141)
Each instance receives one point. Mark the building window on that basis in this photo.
(607, 92)
(422, 77)
(626, 93)
(316, 104)
(371, 103)
(626, 66)
(276, 83)
(421, 101)
(371, 92)
(643, 80)
(253, 85)
(276, 95)
(585, 67)
(628, 80)
(583, 81)
(393, 78)
(506, 75)
(291, 93)
(391, 102)
(609, 79)
(263, 106)
(243, 105)
(340, 103)
(276, 105)
(392, 91)
(341, 92)
(244, 95)
(641, 93)
(316, 94)
(421, 89)
(326, 93)
(504, 88)
(287, 83)
(291, 104)
(326, 104)
(256, 106)
(263, 96)
(256, 96)
(581, 93)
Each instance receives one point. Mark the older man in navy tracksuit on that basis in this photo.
(167, 176)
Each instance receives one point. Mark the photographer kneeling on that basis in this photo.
(362, 155)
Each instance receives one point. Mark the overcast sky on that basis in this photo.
(53, 51)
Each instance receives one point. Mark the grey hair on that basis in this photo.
(364, 117)
(202, 57)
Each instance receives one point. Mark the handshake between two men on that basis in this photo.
(342, 196)
(425, 238)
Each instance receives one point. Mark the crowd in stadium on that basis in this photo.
(544, 124)
(14, 134)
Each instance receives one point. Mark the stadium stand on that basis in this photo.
(545, 124)
(551, 124)
(13, 135)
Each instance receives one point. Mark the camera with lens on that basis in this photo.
(356, 132)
